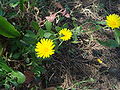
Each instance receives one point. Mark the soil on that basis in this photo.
(78, 62)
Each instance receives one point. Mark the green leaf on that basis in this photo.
(57, 28)
(14, 4)
(35, 25)
(1, 49)
(109, 43)
(16, 55)
(22, 5)
(30, 34)
(7, 30)
(47, 35)
(5, 67)
(100, 22)
(117, 35)
(20, 76)
(2, 13)
(65, 25)
(75, 42)
(48, 25)
(41, 33)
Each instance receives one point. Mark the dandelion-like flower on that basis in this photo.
(65, 34)
(113, 21)
(45, 48)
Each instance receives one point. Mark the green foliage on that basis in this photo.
(117, 35)
(8, 75)
(35, 25)
(76, 33)
(20, 76)
(7, 30)
(48, 25)
(22, 5)
(112, 43)
(109, 43)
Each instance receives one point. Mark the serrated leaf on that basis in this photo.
(109, 43)
(35, 25)
(7, 30)
(48, 25)
(20, 76)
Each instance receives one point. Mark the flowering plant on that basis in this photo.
(112, 21)
(46, 46)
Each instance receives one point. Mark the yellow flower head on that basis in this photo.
(99, 60)
(45, 48)
(113, 21)
(65, 34)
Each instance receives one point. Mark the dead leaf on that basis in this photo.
(58, 5)
(52, 17)
(29, 76)
(64, 13)
(67, 15)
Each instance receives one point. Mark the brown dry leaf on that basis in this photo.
(67, 15)
(58, 5)
(64, 13)
(52, 17)
(29, 76)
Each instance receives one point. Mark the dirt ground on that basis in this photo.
(78, 62)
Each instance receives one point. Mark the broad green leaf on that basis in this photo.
(35, 25)
(7, 30)
(47, 35)
(5, 67)
(109, 43)
(48, 25)
(20, 76)
(117, 35)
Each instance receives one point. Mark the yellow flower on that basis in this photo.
(113, 21)
(99, 60)
(45, 48)
(65, 34)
